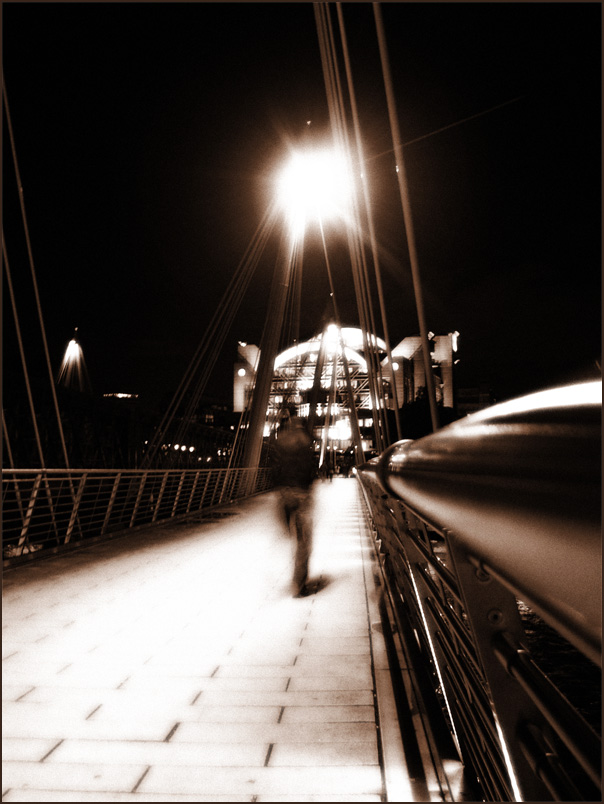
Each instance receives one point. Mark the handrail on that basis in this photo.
(516, 483)
(108, 501)
(495, 512)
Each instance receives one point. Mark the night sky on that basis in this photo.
(149, 134)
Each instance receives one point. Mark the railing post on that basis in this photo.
(205, 488)
(193, 489)
(164, 480)
(492, 609)
(138, 498)
(29, 512)
(227, 486)
(76, 505)
(180, 485)
(116, 484)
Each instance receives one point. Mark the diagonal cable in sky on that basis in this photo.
(450, 125)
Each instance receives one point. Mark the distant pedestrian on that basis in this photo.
(293, 472)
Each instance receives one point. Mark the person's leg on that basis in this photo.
(303, 528)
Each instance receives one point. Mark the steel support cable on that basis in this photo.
(218, 328)
(354, 419)
(237, 441)
(368, 328)
(7, 446)
(28, 387)
(227, 310)
(291, 321)
(231, 299)
(372, 354)
(22, 355)
(337, 115)
(368, 212)
(331, 88)
(33, 274)
(298, 296)
(407, 215)
(219, 335)
(447, 127)
(368, 347)
(365, 304)
(230, 302)
(353, 232)
(316, 386)
(331, 398)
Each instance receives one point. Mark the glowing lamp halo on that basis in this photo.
(314, 185)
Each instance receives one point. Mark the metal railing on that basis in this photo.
(49, 509)
(496, 515)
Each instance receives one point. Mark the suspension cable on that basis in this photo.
(30, 398)
(368, 212)
(357, 257)
(33, 274)
(28, 387)
(209, 347)
(216, 336)
(406, 204)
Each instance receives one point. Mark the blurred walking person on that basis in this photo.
(294, 471)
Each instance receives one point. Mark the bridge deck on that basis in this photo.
(174, 665)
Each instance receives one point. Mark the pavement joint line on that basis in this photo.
(93, 711)
(268, 754)
(137, 785)
(171, 733)
(21, 697)
(54, 748)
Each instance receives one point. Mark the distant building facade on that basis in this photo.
(410, 373)
(296, 379)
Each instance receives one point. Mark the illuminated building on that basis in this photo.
(295, 380)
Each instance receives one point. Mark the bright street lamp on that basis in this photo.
(314, 185)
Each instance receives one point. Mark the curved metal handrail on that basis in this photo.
(520, 485)
(493, 513)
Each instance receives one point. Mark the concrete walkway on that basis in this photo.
(174, 665)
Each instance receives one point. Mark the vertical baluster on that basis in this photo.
(29, 512)
(138, 498)
(160, 496)
(76, 505)
(205, 488)
(180, 485)
(192, 494)
(111, 502)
